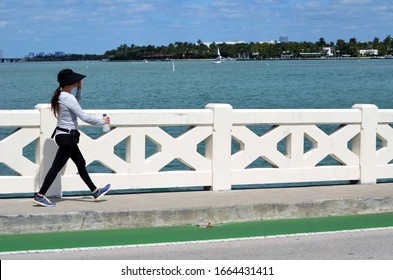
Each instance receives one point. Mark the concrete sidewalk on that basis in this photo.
(192, 208)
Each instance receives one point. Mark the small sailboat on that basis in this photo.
(219, 58)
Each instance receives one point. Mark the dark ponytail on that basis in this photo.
(55, 101)
(55, 98)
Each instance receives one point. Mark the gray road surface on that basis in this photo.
(355, 245)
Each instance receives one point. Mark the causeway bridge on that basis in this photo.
(218, 148)
(7, 60)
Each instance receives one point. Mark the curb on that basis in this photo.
(99, 220)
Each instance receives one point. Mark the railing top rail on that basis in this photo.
(296, 116)
(19, 118)
(156, 117)
(385, 115)
(140, 117)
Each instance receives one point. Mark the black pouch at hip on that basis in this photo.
(75, 136)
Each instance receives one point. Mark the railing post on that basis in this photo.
(218, 147)
(365, 144)
(46, 150)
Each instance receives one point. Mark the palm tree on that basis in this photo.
(388, 43)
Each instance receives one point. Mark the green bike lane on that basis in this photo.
(140, 236)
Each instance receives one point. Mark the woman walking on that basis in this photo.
(66, 108)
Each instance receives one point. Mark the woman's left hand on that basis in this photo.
(80, 84)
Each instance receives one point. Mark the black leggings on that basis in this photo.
(67, 149)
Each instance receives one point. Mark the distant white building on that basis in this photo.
(368, 52)
(30, 55)
(283, 39)
(228, 43)
(273, 42)
(328, 51)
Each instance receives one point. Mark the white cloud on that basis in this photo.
(3, 24)
(354, 2)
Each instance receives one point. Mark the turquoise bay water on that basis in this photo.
(193, 84)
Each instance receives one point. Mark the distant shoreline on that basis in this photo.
(201, 59)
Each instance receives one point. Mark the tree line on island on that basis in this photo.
(241, 50)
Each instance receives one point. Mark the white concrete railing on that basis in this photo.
(293, 146)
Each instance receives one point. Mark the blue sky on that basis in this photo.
(94, 26)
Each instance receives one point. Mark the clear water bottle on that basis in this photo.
(106, 128)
